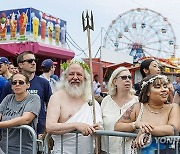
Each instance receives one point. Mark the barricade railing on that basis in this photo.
(173, 140)
(97, 133)
(33, 135)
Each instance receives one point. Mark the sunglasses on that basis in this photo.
(124, 77)
(18, 81)
(30, 60)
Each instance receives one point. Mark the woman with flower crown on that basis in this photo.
(152, 116)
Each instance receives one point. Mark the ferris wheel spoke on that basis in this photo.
(166, 46)
(148, 53)
(149, 29)
(129, 32)
(131, 35)
(154, 42)
(152, 36)
(157, 49)
(111, 41)
(120, 49)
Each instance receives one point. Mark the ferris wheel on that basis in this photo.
(141, 32)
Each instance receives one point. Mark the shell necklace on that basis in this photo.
(154, 112)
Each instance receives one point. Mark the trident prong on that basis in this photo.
(87, 25)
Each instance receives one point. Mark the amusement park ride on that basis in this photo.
(141, 32)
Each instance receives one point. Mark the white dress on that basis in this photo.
(111, 113)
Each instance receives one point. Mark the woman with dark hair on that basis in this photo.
(152, 116)
(147, 67)
(20, 108)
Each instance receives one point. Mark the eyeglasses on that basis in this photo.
(18, 81)
(29, 61)
(124, 77)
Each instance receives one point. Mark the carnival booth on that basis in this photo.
(29, 29)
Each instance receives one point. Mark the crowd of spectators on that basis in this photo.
(57, 107)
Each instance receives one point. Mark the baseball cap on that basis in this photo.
(4, 60)
(47, 63)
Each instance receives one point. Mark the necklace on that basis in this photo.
(154, 112)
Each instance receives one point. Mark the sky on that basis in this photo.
(104, 11)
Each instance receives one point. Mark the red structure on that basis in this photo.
(41, 51)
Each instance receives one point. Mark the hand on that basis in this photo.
(141, 140)
(97, 126)
(85, 129)
(144, 127)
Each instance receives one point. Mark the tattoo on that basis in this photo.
(127, 114)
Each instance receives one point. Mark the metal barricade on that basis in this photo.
(33, 135)
(47, 150)
(172, 140)
(123, 135)
(97, 133)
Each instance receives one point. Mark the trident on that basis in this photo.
(87, 26)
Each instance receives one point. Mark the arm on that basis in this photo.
(173, 121)
(125, 122)
(128, 121)
(25, 119)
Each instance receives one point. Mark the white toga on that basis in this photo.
(84, 115)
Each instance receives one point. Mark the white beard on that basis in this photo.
(74, 90)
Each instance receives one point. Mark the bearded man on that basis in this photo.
(69, 109)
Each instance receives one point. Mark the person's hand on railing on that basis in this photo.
(85, 129)
(144, 126)
(142, 140)
(98, 126)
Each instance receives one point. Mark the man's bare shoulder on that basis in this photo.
(58, 95)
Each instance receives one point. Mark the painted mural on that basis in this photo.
(28, 24)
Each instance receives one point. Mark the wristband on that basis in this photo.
(133, 125)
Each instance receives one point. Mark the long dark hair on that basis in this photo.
(145, 86)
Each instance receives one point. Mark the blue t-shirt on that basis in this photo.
(38, 86)
(3, 82)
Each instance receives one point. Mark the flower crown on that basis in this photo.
(151, 80)
(85, 66)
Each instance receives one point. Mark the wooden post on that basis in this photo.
(90, 25)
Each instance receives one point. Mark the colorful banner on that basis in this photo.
(29, 24)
